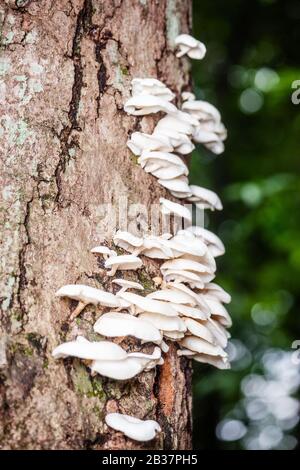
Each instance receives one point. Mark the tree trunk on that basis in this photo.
(65, 72)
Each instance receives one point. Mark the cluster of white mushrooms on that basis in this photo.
(187, 306)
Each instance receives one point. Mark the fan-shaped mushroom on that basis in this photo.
(190, 46)
(132, 427)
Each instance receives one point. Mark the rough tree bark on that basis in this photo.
(65, 72)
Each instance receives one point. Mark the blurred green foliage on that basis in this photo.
(252, 59)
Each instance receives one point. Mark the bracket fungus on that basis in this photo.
(188, 45)
(89, 350)
(163, 165)
(212, 241)
(132, 427)
(88, 295)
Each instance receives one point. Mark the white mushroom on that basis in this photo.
(181, 123)
(178, 186)
(132, 427)
(125, 284)
(88, 295)
(204, 112)
(219, 311)
(128, 242)
(209, 139)
(103, 250)
(216, 361)
(127, 368)
(140, 142)
(201, 346)
(163, 164)
(123, 262)
(170, 207)
(144, 304)
(218, 331)
(190, 46)
(151, 86)
(141, 105)
(186, 266)
(187, 96)
(90, 350)
(199, 329)
(216, 292)
(164, 323)
(213, 242)
(115, 324)
(195, 299)
(204, 198)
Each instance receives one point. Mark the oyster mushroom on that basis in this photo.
(151, 86)
(144, 304)
(89, 350)
(103, 250)
(125, 284)
(114, 324)
(132, 427)
(88, 295)
(204, 198)
(141, 105)
(170, 207)
(140, 142)
(213, 242)
(123, 262)
(188, 45)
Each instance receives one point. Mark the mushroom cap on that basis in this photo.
(90, 350)
(202, 110)
(187, 96)
(123, 262)
(209, 139)
(118, 370)
(103, 250)
(144, 304)
(176, 123)
(216, 361)
(163, 165)
(132, 427)
(128, 284)
(202, 347)
(184, 264)
(205, 198)
(127, 241)
(195, 298)
(168, 295)
(114, 324)
(151, 86)
(215, 245)
(190, 312)
(177, 185)
(219, 311)
(181, 142)
(218, 331)
(190, 46)
(140, 142)
(164, 323)
(217, 292)
(199, 329)
(88, 295)
(140, 105)
(170, 207)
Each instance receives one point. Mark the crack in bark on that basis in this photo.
(22, 258)
(83, 24)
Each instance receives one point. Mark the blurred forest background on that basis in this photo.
(252, 60)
